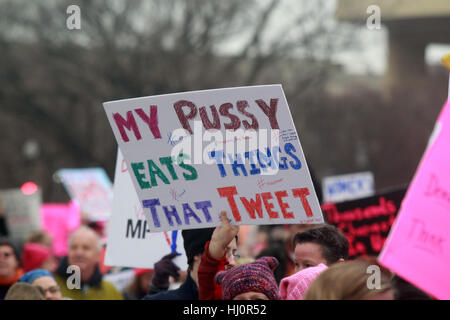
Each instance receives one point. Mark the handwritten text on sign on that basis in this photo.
(348, 187)
(365, 222)
(92, 188)
(180, 149)
(130, 242)
(417, 248)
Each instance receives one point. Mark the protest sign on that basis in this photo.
(60, 220)
(348, 187)
(129, 243)
(365, 222)
(92, 189)
(21, 212)
(180, 189)
(121, 279)
(417, 248)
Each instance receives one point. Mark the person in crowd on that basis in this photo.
(43, 238)
(294, 287)
(252, 281)
(194, 245)
(292, 230)
(37, 256)
(140, 286)
(45, 281)
(10, 270)
(325, 244)
(83, 280)
(24, 291)
(219, 254)
(350, 281)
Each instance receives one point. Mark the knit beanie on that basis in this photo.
(256, 276)
(31, 276)
(294, 287)
(194, 241)
(34, 255)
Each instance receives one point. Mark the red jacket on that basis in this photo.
(207, 289)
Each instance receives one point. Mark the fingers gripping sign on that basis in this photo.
(222, 236)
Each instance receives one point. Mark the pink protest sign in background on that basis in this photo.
(417, 248)
(60, 220)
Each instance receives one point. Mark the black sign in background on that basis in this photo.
(365, 222)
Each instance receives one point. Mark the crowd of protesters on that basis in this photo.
(310, 262)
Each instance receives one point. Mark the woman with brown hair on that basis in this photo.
(355, 280)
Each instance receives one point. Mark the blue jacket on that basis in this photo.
(187, 291)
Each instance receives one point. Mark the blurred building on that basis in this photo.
(412, 25)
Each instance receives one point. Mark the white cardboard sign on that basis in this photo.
(22, 212)
(180, 149)
(129, 243)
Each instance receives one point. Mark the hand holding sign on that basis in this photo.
(222, 236)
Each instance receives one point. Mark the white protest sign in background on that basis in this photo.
(22, 212)
(348, 187)
(120, 280)
(129, 244)
(92, 189)
(147, 131)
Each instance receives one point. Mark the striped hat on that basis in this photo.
(256, 276)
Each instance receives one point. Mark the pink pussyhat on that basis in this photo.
(34, 255)
(294, 287)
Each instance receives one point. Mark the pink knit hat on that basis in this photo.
(295, 286)
(34, 255)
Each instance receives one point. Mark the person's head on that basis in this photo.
(37, 256)
(84, 251)
(252, 281)
(194, 241)
(41, 237)
(350, 281)
(45, 281)
(324, 244)
(24, 291)
(9, 259)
